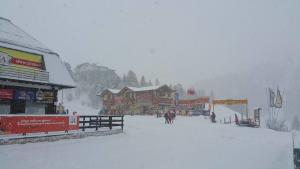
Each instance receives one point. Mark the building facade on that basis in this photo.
(30, 73)
(133, 100)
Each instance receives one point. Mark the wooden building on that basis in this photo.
(134, 100)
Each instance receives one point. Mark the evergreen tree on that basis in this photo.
(179, 89)
(132, 79)
(150, 83)
(143, 82)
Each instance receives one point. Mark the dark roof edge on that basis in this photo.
(5, 19)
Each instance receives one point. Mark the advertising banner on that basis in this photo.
(44, 96)
(24, 95)
(20, 58)
(6, 94)
(33, 124)
(230, 102)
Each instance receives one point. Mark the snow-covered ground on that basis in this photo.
(149, 143)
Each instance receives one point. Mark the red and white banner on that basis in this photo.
(34, 124)
(27, 63)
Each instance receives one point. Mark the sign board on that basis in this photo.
(6, 94)
(44, 96)
(39, 95)
(24, 95)
(230, 102)
(20, 58)
(33, 124)
(72, 120)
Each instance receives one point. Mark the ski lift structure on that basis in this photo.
(241, 106)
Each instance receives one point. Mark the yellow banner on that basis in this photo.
(20, 58)
(230, 101)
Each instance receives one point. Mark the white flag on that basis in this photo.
(278, 101)
(271, 98)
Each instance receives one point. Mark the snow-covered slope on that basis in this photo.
(77, 104)
(149, 143)
(225, 112)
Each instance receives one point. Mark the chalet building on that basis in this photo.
(142, 100)
(30, 73)
(110, 98)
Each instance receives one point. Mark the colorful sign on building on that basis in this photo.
(24, 95)
(230, 102)
(44, 96)
(6, 94)
(20, 58)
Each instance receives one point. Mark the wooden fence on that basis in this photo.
(97, 121)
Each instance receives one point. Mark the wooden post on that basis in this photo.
(100, 121)
(97, 123)
(122, 122)
(110, 122)
(83, 123)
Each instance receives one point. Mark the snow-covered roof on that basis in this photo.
(13, 37)
(114, 91)
(12, 34)
(137, 89)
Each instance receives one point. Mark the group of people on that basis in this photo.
(169, 116)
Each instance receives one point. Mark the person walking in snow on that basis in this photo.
(213, 117)
(174, 114)
(170, 117)
(166, 118)
(236, 119)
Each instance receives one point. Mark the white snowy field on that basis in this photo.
(148, 143)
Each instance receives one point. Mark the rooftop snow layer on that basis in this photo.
(137, 89)
(12, 34)
(114, 91)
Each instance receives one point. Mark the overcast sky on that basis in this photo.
(175, 41)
